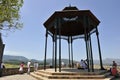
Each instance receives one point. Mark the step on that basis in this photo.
(71, 73)
(109, 78)
(42, 74)
(38, 77)
(43, 78)
(64, 75)
(71, 76)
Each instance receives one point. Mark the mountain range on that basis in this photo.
(18, 59)
(11, 58)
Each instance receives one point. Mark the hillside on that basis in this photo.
(18, 59)
(10, 57)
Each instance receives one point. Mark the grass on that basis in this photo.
(7, 65)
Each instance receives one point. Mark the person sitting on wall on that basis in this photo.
(114, 71)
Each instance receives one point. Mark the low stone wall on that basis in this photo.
(12, 71)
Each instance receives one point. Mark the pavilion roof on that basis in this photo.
(72, 21)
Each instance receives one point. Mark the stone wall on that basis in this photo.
(12, 71)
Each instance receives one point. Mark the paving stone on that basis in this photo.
(18, 77)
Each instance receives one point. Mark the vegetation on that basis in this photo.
(16, 63)
(8, 65)
(9, 14)
(13, 62)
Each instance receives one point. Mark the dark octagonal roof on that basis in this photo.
(72, 21)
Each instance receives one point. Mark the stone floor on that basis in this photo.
(18, 77)
(25, 76)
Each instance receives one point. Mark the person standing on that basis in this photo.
(35, 66)
(62, 64)
(28, 66)
(21, 68)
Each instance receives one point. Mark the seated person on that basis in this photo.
(78, 65)
(83, 64)
(114, 71)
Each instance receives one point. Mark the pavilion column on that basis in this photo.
(100, 56)
(92, 64)
(59, 21)
(87, 51)
(56, 31)
(72, 52)
(90, 46)
(90, 53)
(69, 50)
(86, 42)
(53, 56)
(46, 36)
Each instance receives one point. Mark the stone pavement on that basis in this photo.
(18, 77)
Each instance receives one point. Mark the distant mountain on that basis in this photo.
(10, 57)
(66, 61)
(107, 61)
(34, 60)
(18, 59)
(110, 60)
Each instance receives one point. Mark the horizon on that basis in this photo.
(62, 58)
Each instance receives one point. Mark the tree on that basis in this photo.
(9, 14)
(9, 19)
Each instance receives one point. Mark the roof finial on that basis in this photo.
(69, 5)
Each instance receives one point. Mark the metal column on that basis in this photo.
(45, 49)
(59, 21)
(86, 42)
(90, 45)
(69, 51)
(72, 52)
(101, 64)
(53, 56)
(56, 31)
(92, 64)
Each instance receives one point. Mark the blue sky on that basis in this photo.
(29, 41)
